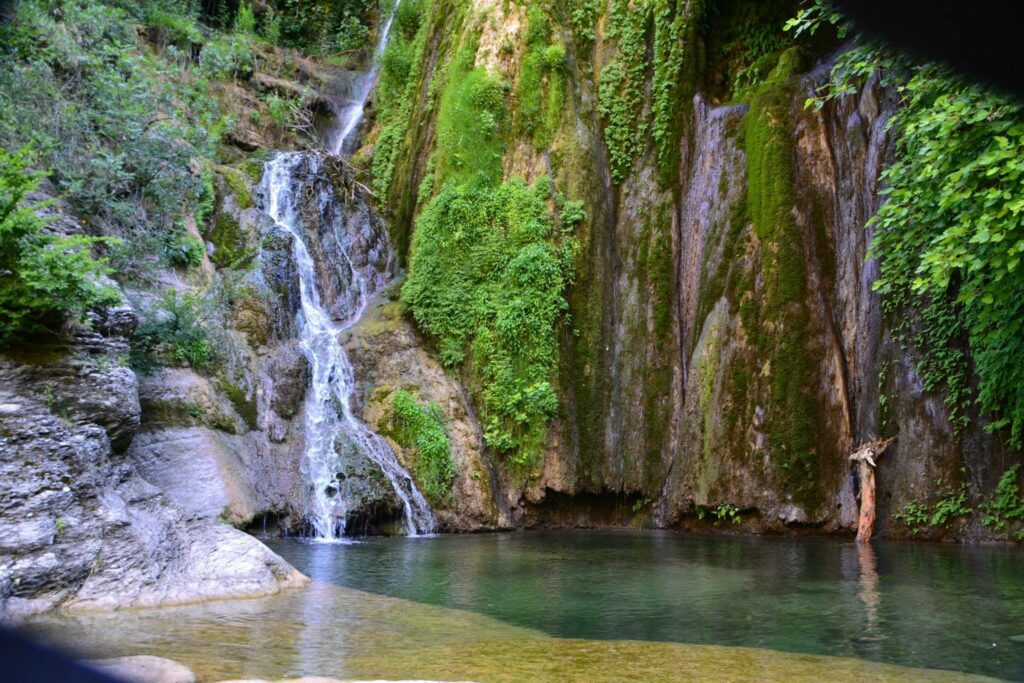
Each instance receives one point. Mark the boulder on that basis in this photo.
(144, 669)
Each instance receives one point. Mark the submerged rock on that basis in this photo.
(144, 669)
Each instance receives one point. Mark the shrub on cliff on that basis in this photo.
(421, 429)
(487, 277)
(949, 238)
(43, 277)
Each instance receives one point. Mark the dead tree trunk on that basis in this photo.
(865, 456)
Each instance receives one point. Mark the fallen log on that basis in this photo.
(865, 457)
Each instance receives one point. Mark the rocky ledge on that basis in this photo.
(80, 527)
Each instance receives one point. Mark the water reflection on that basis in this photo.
(912, 604)
(869, 593)
(487, 607)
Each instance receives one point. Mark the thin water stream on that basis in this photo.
(350, 115)
(328, 414)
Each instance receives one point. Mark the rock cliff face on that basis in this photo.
(724, 346)
(81, 527)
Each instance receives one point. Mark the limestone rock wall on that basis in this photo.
(723, 346)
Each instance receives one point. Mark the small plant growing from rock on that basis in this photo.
(727, 513)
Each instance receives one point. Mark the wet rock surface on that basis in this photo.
(387, 356)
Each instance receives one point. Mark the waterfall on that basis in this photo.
(329, 413)
(349, 115)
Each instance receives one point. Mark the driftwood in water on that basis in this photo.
(865, 457)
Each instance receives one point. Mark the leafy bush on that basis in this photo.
(282, 109)
(487, 278)
(421, 428)
(119, 128)
(1006, 505)
(245, 22)
(227, 56)
(470, 123)
(176, 331)
(185, 251)
(323, 26)
(951, 504)
(43, 278)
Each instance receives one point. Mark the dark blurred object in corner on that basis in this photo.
(982, 40)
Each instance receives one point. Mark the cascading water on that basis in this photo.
(329, 413)
(349, 115)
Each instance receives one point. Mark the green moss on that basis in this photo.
(792, 419)
(540, 92)
(245, 407)
(237, 182)
(707, 381)
(422, 429)
(253, 168)
(230, 246)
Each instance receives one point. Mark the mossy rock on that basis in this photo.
(238, 183)
(249, 315)
(245, 407)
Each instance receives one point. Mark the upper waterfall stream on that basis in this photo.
(329, 400)
(350, 115)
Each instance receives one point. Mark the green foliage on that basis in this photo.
(470, 123)
(320, 27)
(185, 251)
(171, 28)
(950, 505)
(228, 56)
(727, 513)
(43, 278)
(621, 92)
(118, 126)
(540, 93)
(621, 86)
(746, 39)
(950, 239)
(282, 109)
(487, 278)
(245, 22)
(271, 30)
(422, 429)
(584, 15)
(177, 330)
(1006, 505)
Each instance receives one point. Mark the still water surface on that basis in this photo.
(598, 606)
(914, 604)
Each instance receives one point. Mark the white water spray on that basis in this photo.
(350, 115)
(328, 403)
